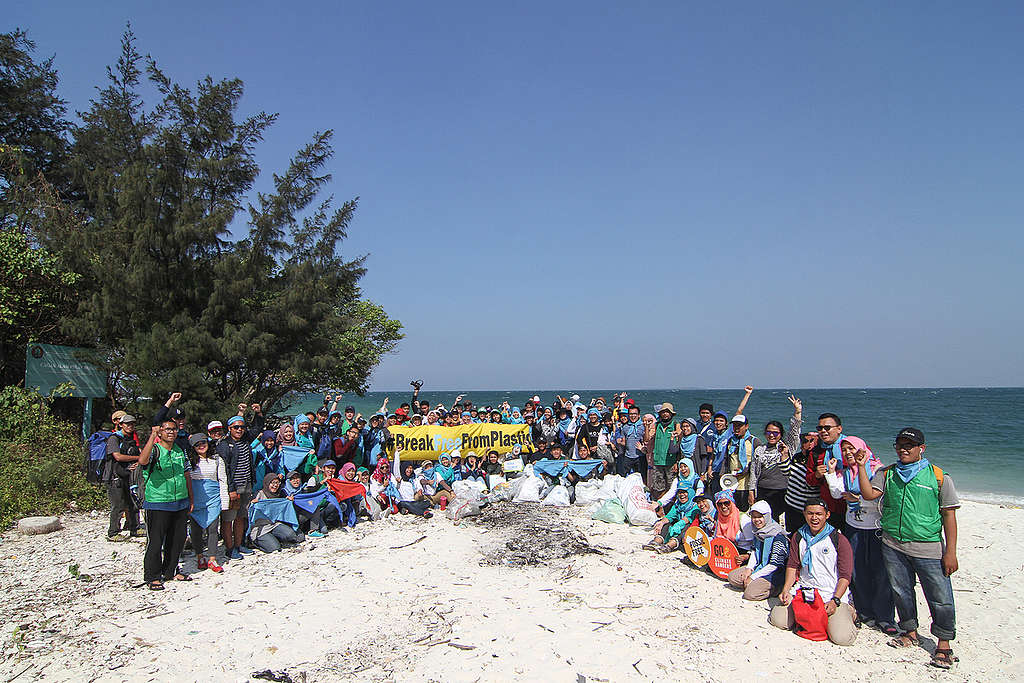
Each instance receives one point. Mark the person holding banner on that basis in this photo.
(272, 520)
(210, 494)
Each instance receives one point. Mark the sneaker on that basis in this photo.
(117, 538)
(138, 533)
(315, 534)
(214, 567)
(234, 554)
(245, 551)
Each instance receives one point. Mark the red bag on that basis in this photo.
(809, 614)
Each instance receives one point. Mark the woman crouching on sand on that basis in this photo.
(733, 525)
(765, 571)
(671, 527)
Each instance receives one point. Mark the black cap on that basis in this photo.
(350, 409)
(912, 434)
(175, 413)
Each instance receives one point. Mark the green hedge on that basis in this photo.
(41, 460)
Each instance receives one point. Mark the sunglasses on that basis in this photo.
(774, 432)
(826, 428)
(905, 446)
(237, 427)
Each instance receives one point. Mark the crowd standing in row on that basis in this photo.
(820, 523)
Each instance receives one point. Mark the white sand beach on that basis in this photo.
(352, 606)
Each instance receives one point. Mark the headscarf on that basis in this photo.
(851, 482)
(267, 478)
(688, 443)
(516, 417)
(304, 440)
(447, 472)
(383, 472)
(771, 528)
(345, 469)
(727, 526)
(690, 505)
(285, 441)
(690, 481)
(288, 488)
(409, 477)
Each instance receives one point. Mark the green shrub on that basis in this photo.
(41, 460)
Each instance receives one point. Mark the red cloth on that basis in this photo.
(343, 490)
(811, 617)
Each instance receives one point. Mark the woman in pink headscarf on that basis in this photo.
(872, 593)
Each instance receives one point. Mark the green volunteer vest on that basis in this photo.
(910, 511)
(165, 475)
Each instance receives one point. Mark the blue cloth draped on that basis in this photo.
(274, 510)
(309, 502)
(292, 457)
(556, 468)
(687, 444)
(206, 501)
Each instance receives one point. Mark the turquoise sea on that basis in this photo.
(973, 434)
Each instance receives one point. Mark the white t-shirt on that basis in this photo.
(868, 516)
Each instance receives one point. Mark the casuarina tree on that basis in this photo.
(188, 282)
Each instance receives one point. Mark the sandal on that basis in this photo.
(664, 549)
(944, 658)
(182, 577)
(904, 641)
(155, 585)
(889, 629)
(649, 546)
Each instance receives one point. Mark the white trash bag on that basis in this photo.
(639, 509)
(588, 492)
(529, 490)
(559, 496)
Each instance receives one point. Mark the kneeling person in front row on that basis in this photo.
(820, 562)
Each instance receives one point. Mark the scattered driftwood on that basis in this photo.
(406, 545)
(460, 646)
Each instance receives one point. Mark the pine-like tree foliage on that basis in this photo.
(35, 290)
(171, 299)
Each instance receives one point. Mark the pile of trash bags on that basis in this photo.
(621, 499)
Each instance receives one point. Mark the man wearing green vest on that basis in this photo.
(168, 502)
(918, 510)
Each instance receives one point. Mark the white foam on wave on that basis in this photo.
(992, 498)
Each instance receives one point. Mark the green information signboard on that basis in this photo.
(47, 366)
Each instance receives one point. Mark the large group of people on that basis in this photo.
(835, 538)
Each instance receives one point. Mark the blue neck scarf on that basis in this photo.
(687, 444)
(687, 508)
(447, 473)
(908, 471)
(805, 533)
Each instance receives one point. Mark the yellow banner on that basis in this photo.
(429, 442)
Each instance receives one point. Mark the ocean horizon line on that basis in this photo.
(738, 388)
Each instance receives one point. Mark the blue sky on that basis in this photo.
(668, 195)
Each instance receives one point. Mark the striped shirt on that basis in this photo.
(798, 490)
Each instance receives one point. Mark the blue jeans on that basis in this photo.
(938, 591)
(872, 594)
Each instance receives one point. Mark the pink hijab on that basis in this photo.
(859, 444)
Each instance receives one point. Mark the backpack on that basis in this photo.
(96, 456)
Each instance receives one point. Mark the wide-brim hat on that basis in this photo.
(667, 406)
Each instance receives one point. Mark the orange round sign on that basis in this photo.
(697, 545)
(723, 557)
